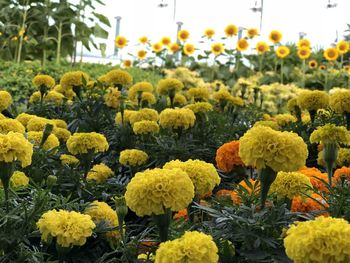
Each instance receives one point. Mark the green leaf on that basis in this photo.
(103, 19)
(100, 32)
(103, 48)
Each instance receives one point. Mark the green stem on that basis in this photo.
(282, 71)
(21, 37)
(330, 154)
(267, 177)
(303, 69)
(6, 171)
(163, 221)
(260, 62)
(59, 41)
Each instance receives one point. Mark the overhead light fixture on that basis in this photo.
(162, 4)
(256, 8)
(331, 5)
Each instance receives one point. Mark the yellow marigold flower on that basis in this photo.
(18, 179)
(179, 100)
(166, 41)
(99, 173)
(60, 123)
(343, 158)
(282, 51)
(43, 80)
(143, 40)
(120, 41)
(152, 191)
(13, 146)
(188, 49)
(167, 85)
(236, 101)
(118, 78)
(200, 247)
(35, 97)
(304, 53)
(127, 63)
(73, 79)
(80, 143)
(69, 227)
(217, 48)
(147, 97)
(313, 64)
(133, 157)
(5, 100)
(222, 94)
(54, 97)
(330, 133)
(312, 100)
(252, 32)
(324, 239)
(183, 35)
(177, 118)
(262, 47)
(284, 119)
(102, 212)
(144, 115)
(275, 36)
(174, 47)
(7, 125)
(198, 94)
(36, 136)
(331, 54)
(343, 47)
(38, 123)
(138, 88)
(231, 30)
(62, 134)
(340, 101)
(209, 32)
(112, 97)
(141, 54)
(198, 107)
(304, 43)
(203, 175)
(289, 185)
(127, 115)
(145, 127)
(271, 124)
(157, 47)
(69, 159)
(242, 45)
(282, 151)
(2, 116)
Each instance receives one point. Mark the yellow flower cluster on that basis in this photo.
(127, 116)
(166, 85)
(102, 212)
(152, 191)
(148, 97)
(69, 227)
(133, 157)
(36, 136)
(112, 97)
(62, 134)
(68, 159)
(65, 91)
(179, 100)
(145, 127)
(73, 79)
(203, 175)
(7, 125)
(177, 118)
(222, 94)
(192, 247)
(236, 101)
(60, 123)
(324, 239)
(271, 124)
(99, 173)
(24, 118)
(144, 115)
(313, 100)
(200, 107)
(198, 94)
(13, 146)
(340, 101)
(290, 184)
(43, 80)
(5, 100)
(54, 97)
(284, 119)
(18, 179)
(38, 123)
(118, 77)
(80, 143)
(282, 151)
(330, 133)
(139, 87)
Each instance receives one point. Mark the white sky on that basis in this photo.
(144, 17)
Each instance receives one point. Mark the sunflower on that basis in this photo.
(252, 32)
(120, 41)
(282, 51)
(189, 49)
(127, 63)
(242, 44)
(303, 43)
(261, 47)
(141, 54)
(322, 67)
(331, 54)
(313, 64)
(217, 48)
(275, 36)
(157, 47)
(231, 30)
(304, 53)
(166, 41)
(347, 68)
(143, 40)
(209, 32)
(343, 47)
(183, 35)
(174, 47)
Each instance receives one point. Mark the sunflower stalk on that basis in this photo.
(281, 71)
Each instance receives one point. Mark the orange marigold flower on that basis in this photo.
(224, 193)
(315, 175)
(227, 156)
(254, 183)
(307, 205)
(339, 173)
(181, 214)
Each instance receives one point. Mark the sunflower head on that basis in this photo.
(282, 51)
(209, 32)
(141, 54)
(174, 47)
(231, 30)
(304, 43)
(322, 67)
(242, 44)
(304, 53)
(343, 47)
(183, 35)
(313, 64)
(275, 36)
(120, 41)
(127, 63)
(331, 54)
(188, 49)
(217, 48)
(262, 47)
(166, 41)
(252, 32)
(157, 47)
(143, 40)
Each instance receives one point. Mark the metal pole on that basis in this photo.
(117, 30)
(240, 32)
